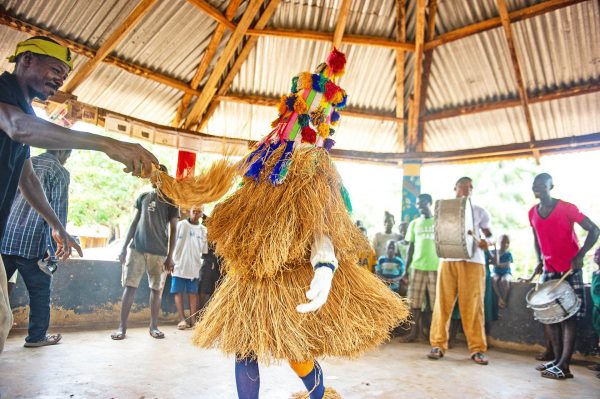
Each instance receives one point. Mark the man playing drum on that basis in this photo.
(558, 252)
(465, 279)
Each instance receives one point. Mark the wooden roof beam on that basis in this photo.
(213, 13)
(109, 45)
(400, 71)
(341, 23)
(577, 90)
(329, 37)
(273, 102)
(207, 57)
(496, 22)
(427, 61)
(413, 111)
(22, 26)
(503, 10)
(263, 20)
(210, 88)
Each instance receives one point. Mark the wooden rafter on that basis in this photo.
(329, 36)
(413, 111)
(207, 57)
(210, 88)
(273, 101)
(503, 10)
(109, 45)
(400, 70)
(492, 23)
(578, 90)
(263, 20)
(427, 61)
(78, 48)
(341, 23)
(213, 13)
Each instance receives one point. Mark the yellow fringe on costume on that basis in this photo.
(209, 186)
(264, 234)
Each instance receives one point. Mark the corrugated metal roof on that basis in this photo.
(556, 50)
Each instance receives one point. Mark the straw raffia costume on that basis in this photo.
(289, 219)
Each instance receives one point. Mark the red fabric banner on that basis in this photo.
(186, 163)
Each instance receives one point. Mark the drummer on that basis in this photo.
(465, 279)
(558, 252)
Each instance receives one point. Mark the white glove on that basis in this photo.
(319, 290)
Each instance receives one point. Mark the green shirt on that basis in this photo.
(420, 232)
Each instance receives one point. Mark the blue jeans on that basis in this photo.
(38, 285)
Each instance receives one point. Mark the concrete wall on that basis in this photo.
(87, 293)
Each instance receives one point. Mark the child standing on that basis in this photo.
(501, 275)
(390, 268)
(191, 244)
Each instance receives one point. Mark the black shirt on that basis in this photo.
(12, 154)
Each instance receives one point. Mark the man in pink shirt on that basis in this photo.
(558, 252)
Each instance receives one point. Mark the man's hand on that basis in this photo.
(319, 290)
(405, 279)
(577, 262)
(123, 256)
(137, 159)
(483, 244)
(65, 243)
(169, 264)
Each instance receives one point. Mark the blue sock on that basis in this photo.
(314, 382)
(247, 378)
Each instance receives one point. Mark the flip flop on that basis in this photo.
(182, 325)
(544, 366)
(479, 358)
(435, 354)
(47, 340)
(156, 334)
(555, 373)
(117, 335)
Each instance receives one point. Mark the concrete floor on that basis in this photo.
(90, 365)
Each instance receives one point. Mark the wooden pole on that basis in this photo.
(427, 61)
(207, 57)
(400, 72)
(492, 23)
(341, 23)
(210, 88)
(578, 90)
(503, 10)
(109, 45)
(239, 61)
(413, 113)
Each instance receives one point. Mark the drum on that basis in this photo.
(552, 306)
(453, 228)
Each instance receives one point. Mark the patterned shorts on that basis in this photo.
(421, 282)
(576, 281)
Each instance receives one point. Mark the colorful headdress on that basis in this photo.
(309, 115)
(43, 46)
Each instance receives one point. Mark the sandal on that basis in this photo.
(182, 325)
(480, 358)
(118, 335)
(544, 366)
(435, 354)
(555, 373)
(156, 333)
(47, 340)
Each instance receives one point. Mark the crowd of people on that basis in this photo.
(465, 289)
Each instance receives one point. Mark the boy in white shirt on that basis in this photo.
(191, 244)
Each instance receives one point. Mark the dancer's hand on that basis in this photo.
(319, 290)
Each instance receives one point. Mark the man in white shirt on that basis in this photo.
(191, 244)
(465, 279)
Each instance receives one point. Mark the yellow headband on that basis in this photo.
(43, 47)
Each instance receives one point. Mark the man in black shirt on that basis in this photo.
(42, 65)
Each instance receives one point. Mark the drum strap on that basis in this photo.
(557, 300)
